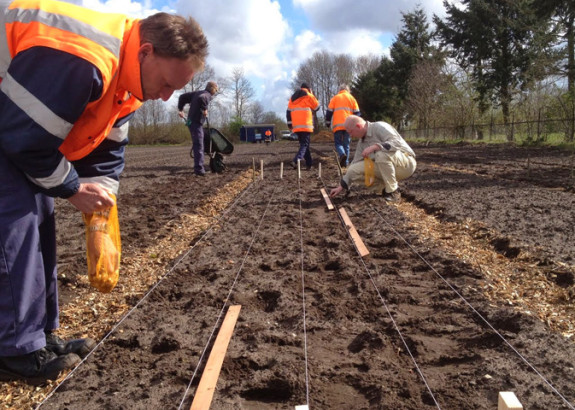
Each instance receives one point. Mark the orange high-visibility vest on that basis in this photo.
(343, 104)
(100, 38)
(302, 112)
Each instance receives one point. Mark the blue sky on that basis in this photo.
(271, 38)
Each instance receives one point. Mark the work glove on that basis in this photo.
(103, 248)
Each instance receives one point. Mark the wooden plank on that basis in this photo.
(508, 401)
(354, 235)
(326, 199)
(207, 386)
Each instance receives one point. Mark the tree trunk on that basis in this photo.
(571, 73)
(505, 109)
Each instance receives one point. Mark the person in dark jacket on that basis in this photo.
(197, 114)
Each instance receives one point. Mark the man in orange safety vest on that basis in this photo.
(70, 79)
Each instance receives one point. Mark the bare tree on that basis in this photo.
(426, 85)
(344, 70)
(199, 81)
(365, 64)
(459, 106)
(242, 92)
(325, 71)
(256, 112)
(149, 117)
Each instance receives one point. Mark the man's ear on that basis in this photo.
(145, 49)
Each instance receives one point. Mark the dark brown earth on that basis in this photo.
(467, 291)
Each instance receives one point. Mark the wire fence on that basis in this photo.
(548, 130)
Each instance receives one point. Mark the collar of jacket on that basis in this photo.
(299, 94)
(130, 75)
(367, 132)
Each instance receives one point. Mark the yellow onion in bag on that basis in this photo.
(369, 171)
(103, 248)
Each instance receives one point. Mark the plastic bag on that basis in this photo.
(103, 248)
(369, 171)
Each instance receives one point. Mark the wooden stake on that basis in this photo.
(338, 166)
(207, 386)
(261, 169)
(354, 235)
(281, 170)
(326, 199)
(253, 169)
(319, 170)
(298, 169)
(508, 401)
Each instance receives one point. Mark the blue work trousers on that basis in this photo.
(304, 153)
(342, 141)
(28, 278)
(197, 132)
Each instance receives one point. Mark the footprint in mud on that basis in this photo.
(131, 342)
(365, 340)
(165, 343)
(333, 266)
(271, 391)
(270, 300)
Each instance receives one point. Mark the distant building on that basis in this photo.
(257, 132)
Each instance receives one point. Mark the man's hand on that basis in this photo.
(334, 192)
(182, 115)
(91, 198)
(369, 150)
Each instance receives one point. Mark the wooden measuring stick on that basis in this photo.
(508, 401)
(326, 199)
(354, 235)
(207, 386)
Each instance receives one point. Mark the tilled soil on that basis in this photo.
(467, 290)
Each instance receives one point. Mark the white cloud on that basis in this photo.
(136, 9)
(305, 44)
(247, 33)
(382, 16)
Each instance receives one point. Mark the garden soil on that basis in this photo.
(467, 290)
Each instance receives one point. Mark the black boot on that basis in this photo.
(36, 367)
(81, 347)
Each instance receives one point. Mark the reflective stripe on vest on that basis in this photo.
(347, 113)
(301, 118)
(34, 108)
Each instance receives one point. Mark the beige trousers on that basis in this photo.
(390, 168)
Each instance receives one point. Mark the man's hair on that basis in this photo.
(344, 87)
(212, 87)
(352, 120)
(174, 36)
